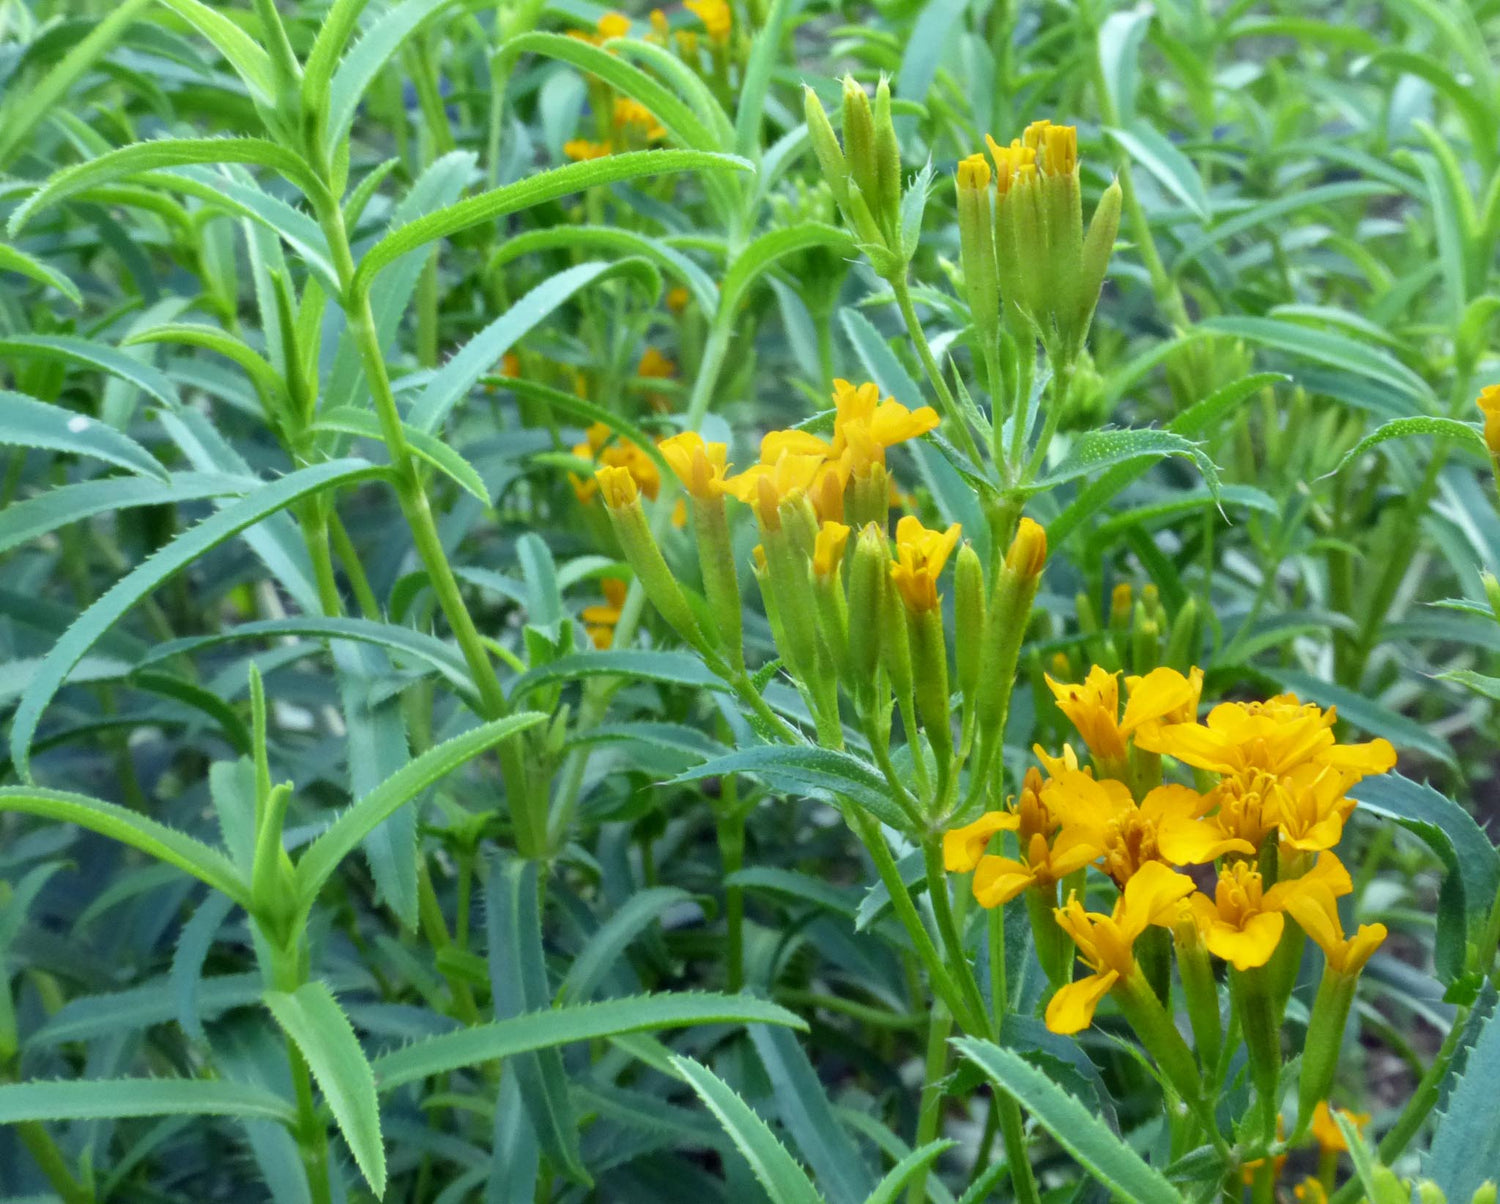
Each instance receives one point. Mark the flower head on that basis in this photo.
(1489, 406)
(632, 117)
(1243, 923)
(921, 555)
(828, 549)
(865, 426)
(583, 149)
(1325, 1129)
(1316, 911)
(599, 447)
(1106, 943)
(963, 847)
(699, 466)
(618, 485)
(716, 18)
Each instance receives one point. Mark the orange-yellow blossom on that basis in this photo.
(1106, 943)
(1325, 1129)
(828, 548)
(618, 486)
(1315, 909)
(1489, 406)
(865, 426)
(1243, 923)
(963, 847)
(700, 466)
(716, 18)
(600, 621)
(920, 556)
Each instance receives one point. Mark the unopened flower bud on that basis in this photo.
(617, 486)
(868, 573)
(1491, 591)
(1028, 551)
(968, 618)
(1485, 1193)
(623, 502)
(1098, 246)
(1120, 607)
(1429, 1192)
(887, 204)
(859, 143)
(976, 231)
(825, 146)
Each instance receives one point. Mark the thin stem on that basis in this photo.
(937, 891)
(731, 830)
(957, 426)
(930, 1113)
(287, 972)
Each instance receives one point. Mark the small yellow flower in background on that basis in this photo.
(1106, 943)
(600, 621)
(622, 455)
(1278, 1164)
(1489, 406)
(613, 25)
(699, 466)
(716, 18)
(659, 27)
(1310, 1191)
(1316, 911)
(677, 299)
(582, 149)
(631, 117)
(617, 485)
(1325, 1130)
(921, 555)
(828, 550)
(510, 365)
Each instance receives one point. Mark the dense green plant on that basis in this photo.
(413, 792)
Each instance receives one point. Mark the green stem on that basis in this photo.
(731, 825)
(957, 427)
(930, 1114)
(53, 1164)
(937, 891)
(287, 972)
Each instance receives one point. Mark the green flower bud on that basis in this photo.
(929, 653)
(859, 144)
(1182, 638)
(976, 232)
(721, 584)
(1491, 591)
(887, 204)
(1098, 246)
(825, 146)
(1429, 1192)
(968, 618)
(868, 584)
(623, 502)
(1485, 1194)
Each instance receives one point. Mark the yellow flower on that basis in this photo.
(1027, 554)
(828, 549)
(510, 365)
(765, 486)
(865, 426)
(1243, 923)
(1310, 1191)
(613, 25)
(618, 485)
(600, 621)
(1316, 911)
(963, 847)
(1106, 943)
(632, 117)
(1161, 696)
(1127, 834)
(1093, 707)
(1011, 162)
(921, 555)
(1489, 406)
(1312, 808)
(998, 880)
(623, 455)
(1274, 736)
(582, 149)
(716, 18)
(655, 366)
(1056, 765)
(699, 466)
(677, 299)
(1325, 1130)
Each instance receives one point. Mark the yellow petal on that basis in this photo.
(1071, 1009)
(1151, 894)
(998, 880)
(962, 847)
(1248, 947)
(1184, 841)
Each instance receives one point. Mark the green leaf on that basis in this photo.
(1076, 1128)
(112, 1099)
(1467, 434)
(26, 422)
(243, 53)
(796, 769)
(67, 349)
(26, 108)
(328, 48)
(131, 828)
(1471, 862)
(606, 946)
(365, 425)
(1120, 38)
(157, 568)
(785, 1182)
(211, 338)
(480, 354)
(1465, 1147)
(563, 1026)
(805, 1114)
(638, 664)
(1335, 350)
(406, 642)
(1479, 683)
(319, 862)
(534, 190)
(675, 116)
(140, 157)
(14, 260)
(362, 64)
(762, 254)
(518, 985)
(1170, 166)
(312, 1018)
(1096, 450)
(756, 79)
(889, 1189)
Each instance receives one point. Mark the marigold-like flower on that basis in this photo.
(1093, 707)
(716, 17)
(921, 555)
(599, 621)
(1106, 943)
(1127, 834)
(998, 880)
(765, 486)
(865, 426)
(1325, 1129)
(1011, 162)
(1316, 911)
(974, 173)
(618, 486)
(677, 298)
(1312, 806)
(622, 454)
(633, 117)
(699, 466)
(1243, 923)
(1055, 146)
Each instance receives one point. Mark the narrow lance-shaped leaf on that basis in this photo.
(26, 422)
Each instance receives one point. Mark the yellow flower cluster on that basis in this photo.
(634, 128)
(1280, 799)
